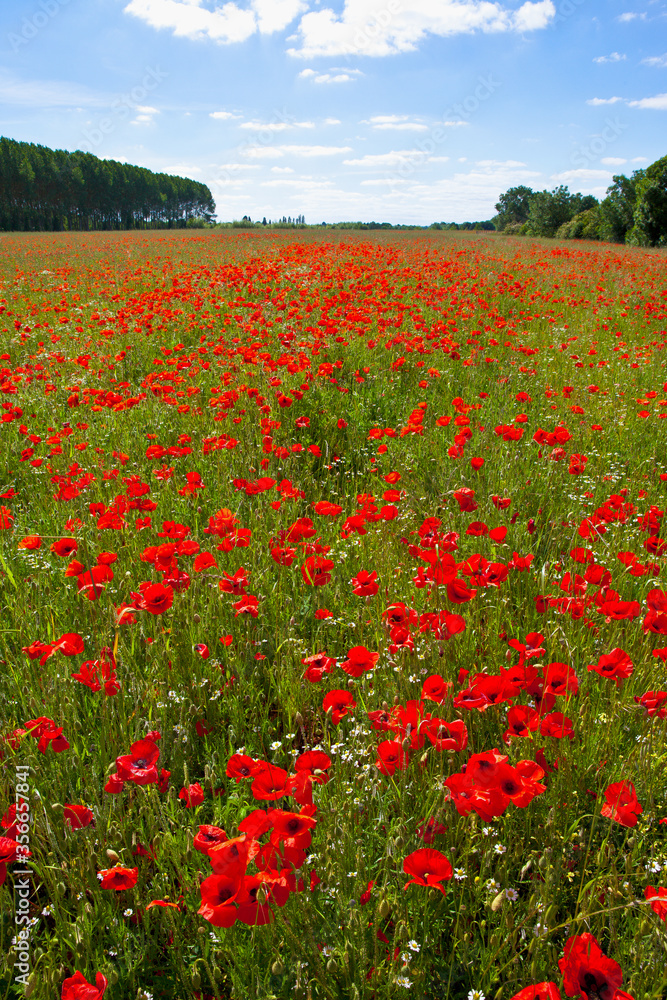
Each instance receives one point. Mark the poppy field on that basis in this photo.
(334, 617)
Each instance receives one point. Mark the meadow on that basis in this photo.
(334, 620)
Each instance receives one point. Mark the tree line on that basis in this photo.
(634, 211)
(46, 189)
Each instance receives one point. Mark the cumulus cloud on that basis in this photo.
(223, 24)
(385, 27)
(597, 102)
(613, 161)
(657, 103)
(223, 116)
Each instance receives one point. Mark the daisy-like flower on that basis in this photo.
(403, 981)
(459, 874)
(476, 995)
(511, 894)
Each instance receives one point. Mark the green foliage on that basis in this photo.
(650, 216)
(46, 189)
(513, 207)
(584, 226)
(549, 210)
(618, 208)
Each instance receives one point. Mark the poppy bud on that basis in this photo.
(298, 718)
(277, 968)
(331, 965)
(385, 706)
(61, 888)
(384, 909)
(112, 856)
(196, 619)
(195, 979)
(498, 901)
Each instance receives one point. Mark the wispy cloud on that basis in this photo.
(598, 102)
(275, 126)
(395, 123)
(614, 57)
(658, 61)
(657, 103)
(276, 152)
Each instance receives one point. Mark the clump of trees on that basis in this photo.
(634, 211)
(46, 189)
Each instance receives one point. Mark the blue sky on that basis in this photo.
(409, 111)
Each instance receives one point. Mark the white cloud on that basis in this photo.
(614, 57)
(223, 116)
(276, 152)
(275, 126)
(639, 159)
(333, 76)
(332, 121)
(657, 103)
(282, 170)
(238, 166)
(597, 102)
(383, 181)
(395, 122)
(631, 16)
(302, 183)
(582, 174)
(613, 161)
(659, 61)
(492, 164)
(381, 28)
(224, 24)
(406, 158)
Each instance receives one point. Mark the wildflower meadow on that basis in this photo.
(334, 617)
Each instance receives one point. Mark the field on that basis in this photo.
(334, 619)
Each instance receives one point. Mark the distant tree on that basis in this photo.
(650, 215)
(513, 206)
(549, 210)
(618, 208)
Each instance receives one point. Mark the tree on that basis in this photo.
(618, 208)
(549, 210)
(513, 206)
(650, 215)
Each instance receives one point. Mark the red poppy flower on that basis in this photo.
(139, 766)
(193, 795)
(235, 584)
(340, 702)
(359, 660)
(316, 571)
(64, 547)
(657, 899)
(209, 837)
(542, 991)
(154, 598)
(240, 766)
(616, 665)
(247, 605)
(587, 971)
(77, 817)
(30, 542)
(365, 584)
(391, 757)
(622, 804)
(77, 987)
(428, 867)
(269, 783)
(317, 666)
(118, 878)
(218, 893)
